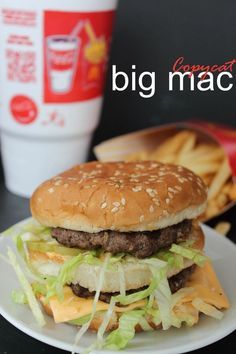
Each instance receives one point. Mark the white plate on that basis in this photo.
(207, 331)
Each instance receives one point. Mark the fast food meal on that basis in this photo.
(206, 159)
(116, 247)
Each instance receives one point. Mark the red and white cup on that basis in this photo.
(50, 105)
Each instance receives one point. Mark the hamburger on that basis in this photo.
(116, 247)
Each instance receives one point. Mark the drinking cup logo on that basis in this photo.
(62, 56)
(23, 109)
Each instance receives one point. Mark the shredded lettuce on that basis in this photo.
(163, 298)
(119, 338)
(99, 285)
(155, 315)
(184, 317)
(48, 247)
(175, 261)
(65, 276)
(27, 289)
(190, 253)
(179, 295)
(207, 309)
(19, 297)
(162, 290)
(122, 279)
(140, 295)
(42, 232)
(144, 324)
(81, 321)
(105, 323)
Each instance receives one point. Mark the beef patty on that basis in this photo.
(140, 244)
(176, 282)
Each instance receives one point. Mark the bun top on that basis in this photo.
(122, 196)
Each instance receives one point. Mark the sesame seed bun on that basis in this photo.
(119, 196)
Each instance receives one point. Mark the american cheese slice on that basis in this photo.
(207, 287)
(204, 282)
(73, 307)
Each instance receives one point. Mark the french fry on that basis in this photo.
(164, 158)
(142, 155)
(232, 192)
(201, 169)
(199, 151)
(219, 180)
(221, 200)
(187, 146)
(223, 227)
(212, 210)
(171, 145)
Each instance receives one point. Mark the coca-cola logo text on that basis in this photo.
(62, 59)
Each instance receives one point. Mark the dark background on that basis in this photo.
(151, 34)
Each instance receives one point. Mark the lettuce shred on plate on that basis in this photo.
(156, 301)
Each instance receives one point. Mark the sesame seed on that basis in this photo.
(167, 200)
(76, 203)
(152, 179)
(178, 188)
(112, 227)
(103, 205)
(156, 201)
(165, 212)
(151, 192)
(154, 165)
(66, 185)
(137, 189)
(57, 183)
(183, 179)
(117, 204)
(151, 209)
(141, 218)
(40, 200)
(170, 195)
(139, 166)
(114, 210)
(50, 190)
(123, 201)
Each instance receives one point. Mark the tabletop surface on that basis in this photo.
(12, 341)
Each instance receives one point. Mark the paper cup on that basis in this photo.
(53, 63)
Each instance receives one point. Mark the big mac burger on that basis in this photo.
(117, 248)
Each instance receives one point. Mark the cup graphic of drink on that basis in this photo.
(62, 56)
